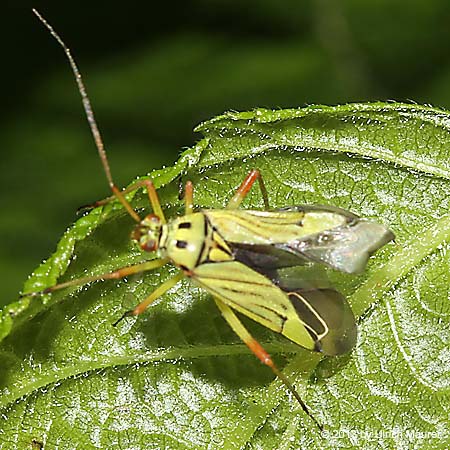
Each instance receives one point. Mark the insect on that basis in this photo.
(240, 258)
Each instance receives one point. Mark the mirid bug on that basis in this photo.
(239, 257)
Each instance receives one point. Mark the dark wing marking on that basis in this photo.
(324, 311)
(264, 258)
(328, 317)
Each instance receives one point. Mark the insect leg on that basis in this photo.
(116, 274)
(152, 195)
(189, 198)
(259, 351)
(154, 200)
(186, 192)
(245, 187)
(160, 290)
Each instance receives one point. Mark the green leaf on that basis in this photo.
(177, 377)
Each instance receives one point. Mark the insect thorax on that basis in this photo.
(191, 240)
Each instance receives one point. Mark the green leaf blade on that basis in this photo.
(409, 136)
(177, 376)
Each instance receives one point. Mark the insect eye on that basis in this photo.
(153, 218)
(149, 245)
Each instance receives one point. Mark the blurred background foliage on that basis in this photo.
(156, 69)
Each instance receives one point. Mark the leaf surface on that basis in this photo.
(177, 377)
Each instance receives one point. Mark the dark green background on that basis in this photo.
(155, 70)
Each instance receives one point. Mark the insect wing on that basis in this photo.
(308, 312)
(255, 296)
(275, 227)
(295, 235)
(346, 248)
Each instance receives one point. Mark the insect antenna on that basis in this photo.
(90, 117)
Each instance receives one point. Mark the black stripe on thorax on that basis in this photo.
(204, 238)
(209, 231)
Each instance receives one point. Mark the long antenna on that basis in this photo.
(90, 117)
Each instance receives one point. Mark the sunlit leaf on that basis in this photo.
(177, 377)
